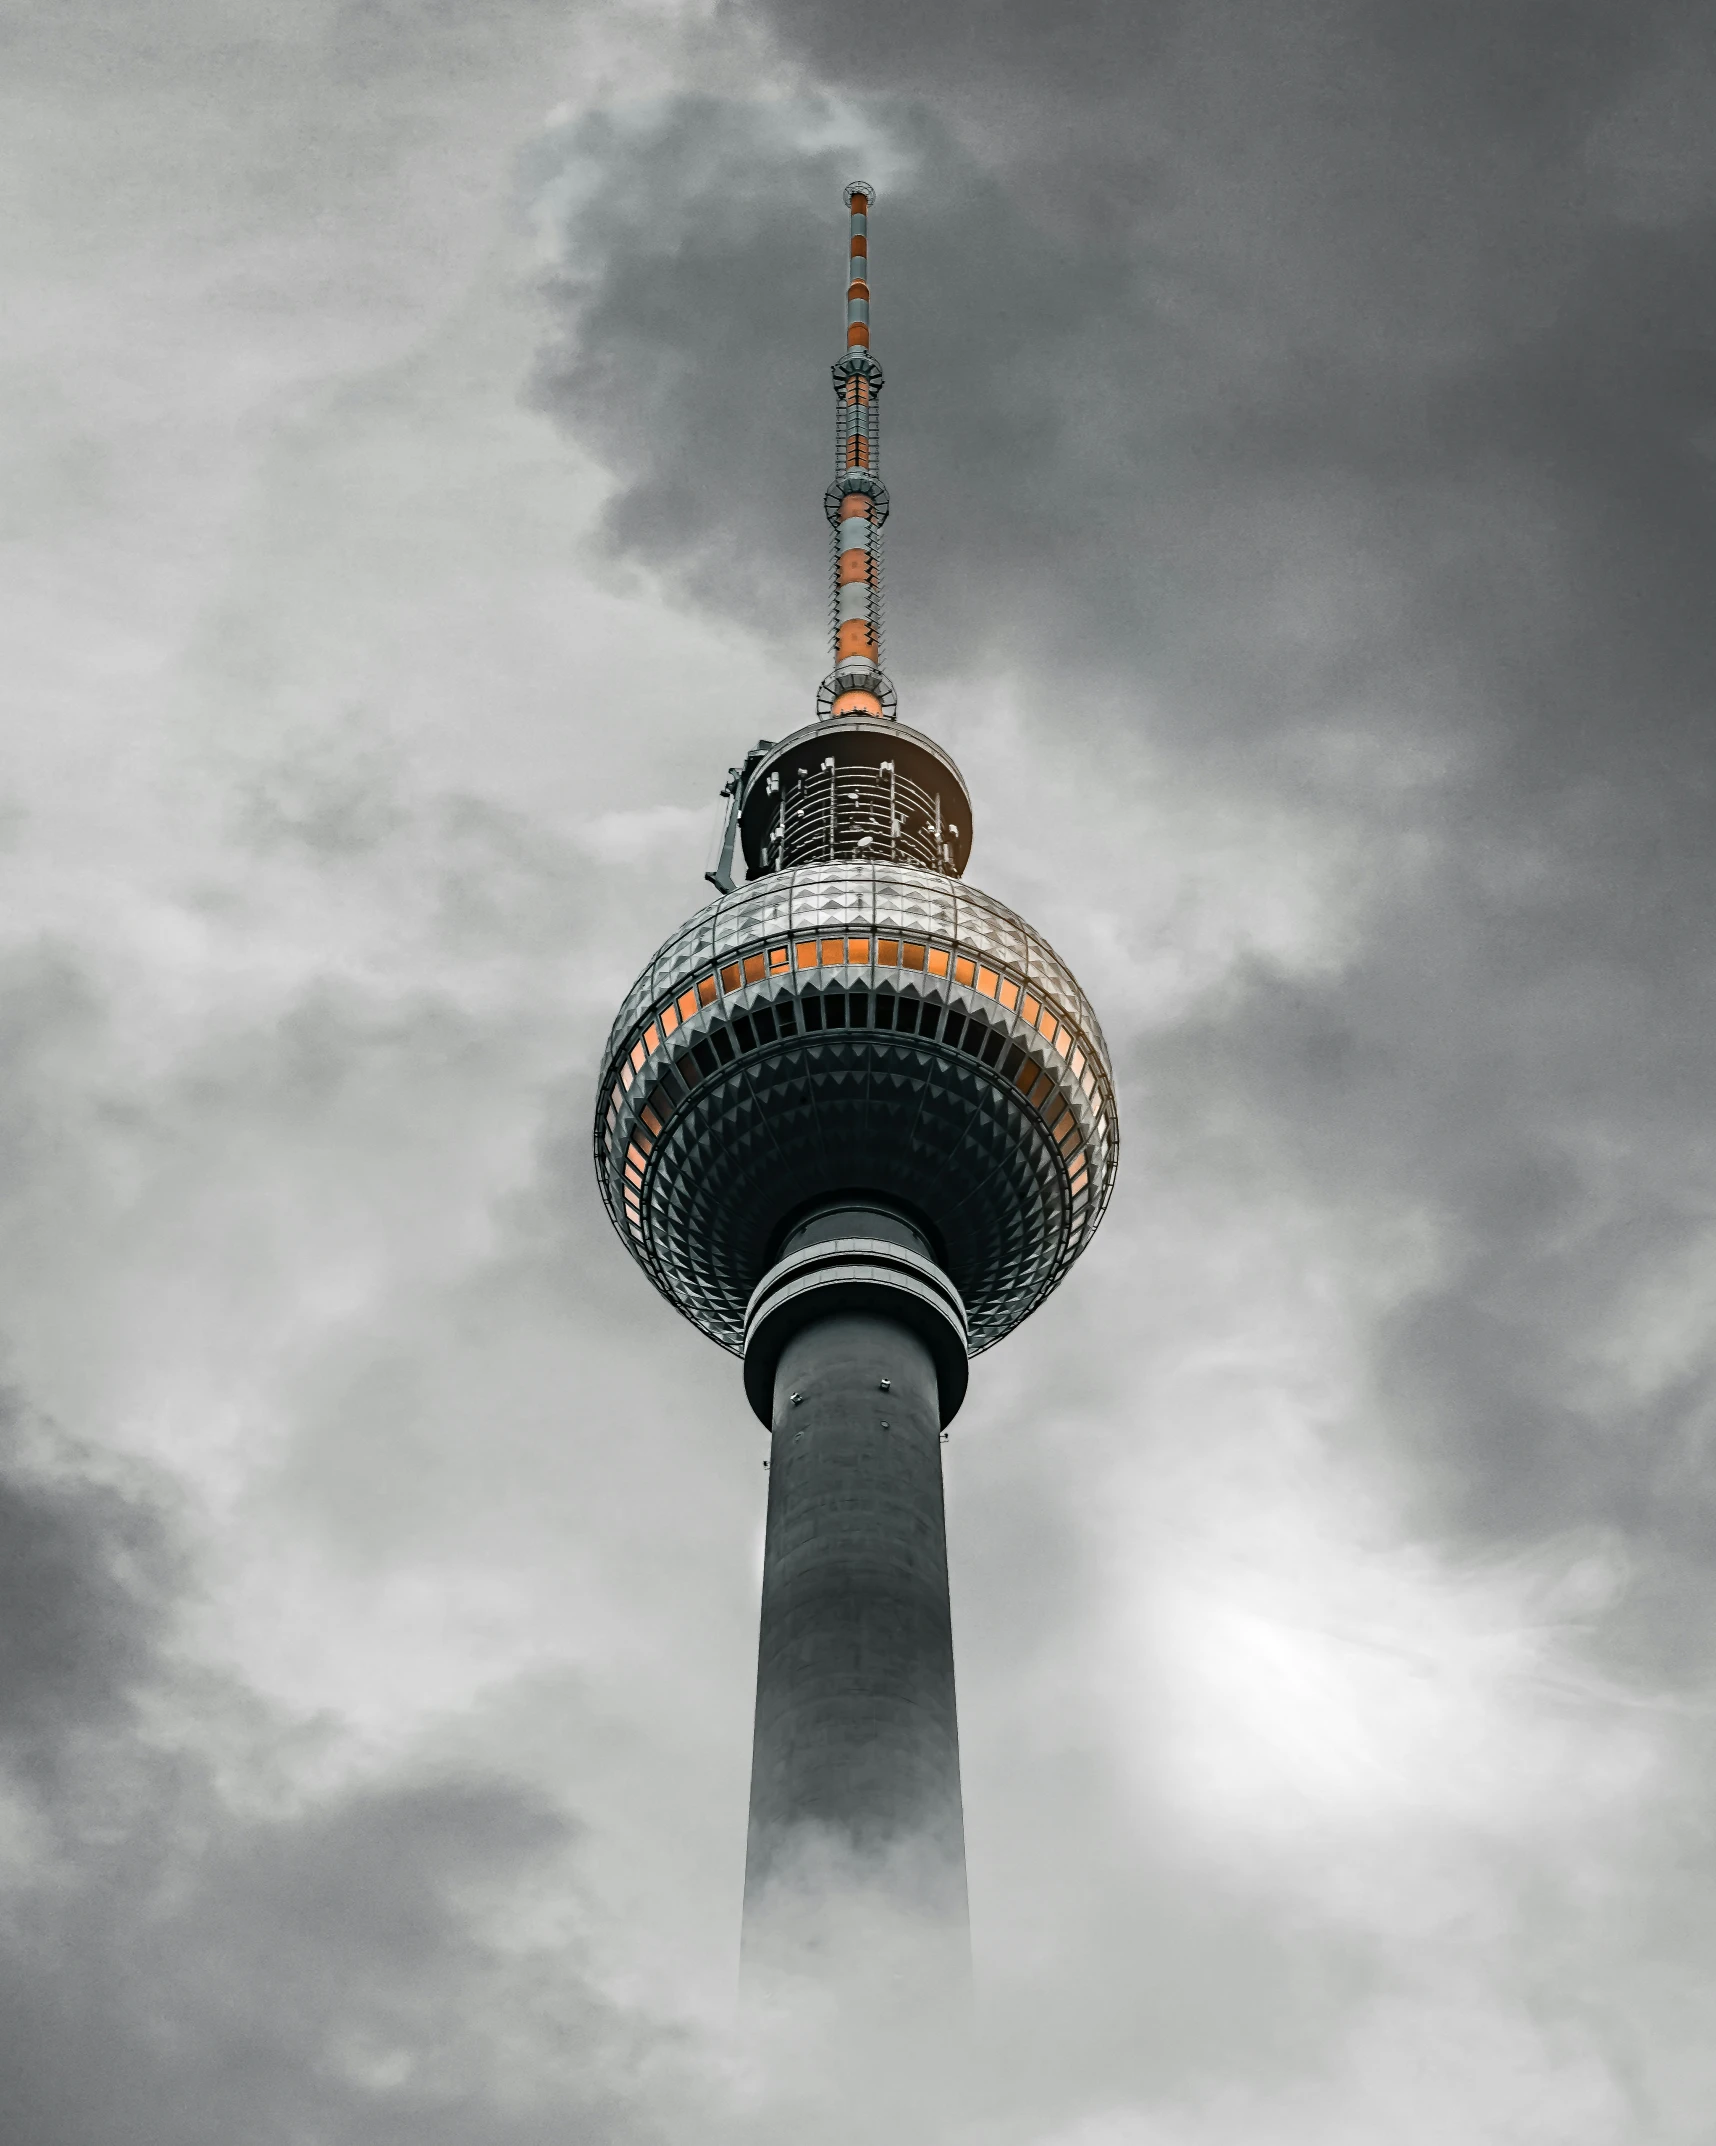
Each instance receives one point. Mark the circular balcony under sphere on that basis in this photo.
(858, 1029)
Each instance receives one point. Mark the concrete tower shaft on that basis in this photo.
(856, 1729)
(856, 1754)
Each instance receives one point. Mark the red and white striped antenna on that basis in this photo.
(857, 500)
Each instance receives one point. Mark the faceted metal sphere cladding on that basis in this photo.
(863, 1030)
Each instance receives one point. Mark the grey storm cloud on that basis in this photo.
(193, 1948)
(1369, 333)
(1266, 387)
(179, 1968)
(85, 1574)
(1301, 421)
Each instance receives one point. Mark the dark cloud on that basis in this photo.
(1331, 391)
(176, 1969)
(85, 1575)
(1466, 418)
(1301, 413)
(319, 1977)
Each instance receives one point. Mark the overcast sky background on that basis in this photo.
(1301, 426)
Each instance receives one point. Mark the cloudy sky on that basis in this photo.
(1301, 426)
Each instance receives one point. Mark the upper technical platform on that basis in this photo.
(855, 786)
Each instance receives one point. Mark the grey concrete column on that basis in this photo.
(855, 1770)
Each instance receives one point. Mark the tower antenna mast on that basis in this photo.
(856, 502)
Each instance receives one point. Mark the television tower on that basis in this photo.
(856, 1120)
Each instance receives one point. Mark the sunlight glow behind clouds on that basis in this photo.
(1319, 1684)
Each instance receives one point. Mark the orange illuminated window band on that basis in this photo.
(1036, 1084)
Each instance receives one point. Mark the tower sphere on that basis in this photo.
(848, 1029)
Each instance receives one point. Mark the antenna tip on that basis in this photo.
(860, 186)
